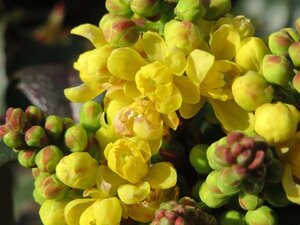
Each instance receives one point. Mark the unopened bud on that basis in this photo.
(296, 81)
(297, 25)
(209, 199)
(264, 215)
(251, 90)
(191, 10)
(14, 139)
(146, 8)
(89, 115)
(26, 158)
(54, 127)
(16, 119)
(119, 30)
(36, 137)
(279, 42)
(198, 159)
(250, 201)
(76, 138)
(68, 122)
(121, 7)
(48, 157)
(232, 217)
(294, 52)
(277, 69)
(93, 148)
(34, 115)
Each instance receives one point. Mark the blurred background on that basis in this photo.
(36, 57)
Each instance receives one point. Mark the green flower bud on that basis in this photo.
(211, 152)
(232, 217)
(121, 7)
(195, 190)
(292, 32)
(77, 170)
(296, 81)
(198, 159)
(184, 35)
(217, 8)
(68, 122)
(209, 199)
(280, 41)
(146, 8)
(50, 187)
(89, 115)
(251, 90)
(261, 216)
(52, 212)
(36, 137)
(36, 172)
(14, 139)
(54, 127)
(286, 117)
(93, 148)
(119, 30)
(274, 172)
(34, 115)
(250, 201)
(191, 10)
(212, 184)
(26, 158)
(294, 52)
(297, 25)
(16, 119)
(76, 138)
(277, 69)
(37, 197)
(48, 157)
(252, 187)
(276, 196)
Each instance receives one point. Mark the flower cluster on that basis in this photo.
(158, 63)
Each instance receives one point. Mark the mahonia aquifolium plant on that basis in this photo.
(159, 64)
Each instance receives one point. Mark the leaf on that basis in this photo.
(6, 154)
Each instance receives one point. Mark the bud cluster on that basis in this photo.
(46, 142)
(243, 166)
(181, 212)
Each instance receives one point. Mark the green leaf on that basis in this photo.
(6, 154)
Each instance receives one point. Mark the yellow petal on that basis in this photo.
(171, 119)
(161, 175)
(107, 211)
(154, 46)
(188, 89)
(189, 110)
(94, 193)
(225, 42)
(124, 63)
(155, 145)
(75, 208)
(88, 217)
(83, 93)
(232, 116)
(146, 130)
(198, 64)
(170, 103)
(131, 90)
(291, 188)
(175, 59)
(133, 193)
(93, 33)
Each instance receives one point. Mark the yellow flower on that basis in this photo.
(126, 159)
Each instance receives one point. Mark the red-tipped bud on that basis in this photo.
(36, 137)
(14, 139)
(16, 119)
(146, 8)
(26, 158)
(294, 52)
(48, 157)
(34, 115)
(54, 127)
(121, 7)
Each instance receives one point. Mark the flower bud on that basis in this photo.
(250, 201)
(36, 172)
(50, 187)
(198, 159)
(36, 137)
(294, 52)
(89, 115)
(26, 158)
(68, 122)
(34, 115)
(217, 8)
(52, 212)
(184, 35)
(261, 216)
(296, 81)
(232, 217)
(77, 170)
(3, 130)
(93, 148)
(54, 127)
(14, 139)
(121, 7)
(146, 8)
(252, 187)
(48, 157)
(280, 41)
(191, 10)
(250, 54)
(251, 90)
(210, 199)
(16, 119)
(76, 138)
(37, 197)
(277, 69)
(276, 195)
(286, 117)
(297, 25)
(119, 30)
